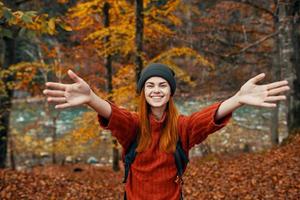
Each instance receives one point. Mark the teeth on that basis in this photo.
(156, 97)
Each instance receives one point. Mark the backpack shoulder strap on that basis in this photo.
(181, 159)
(129, 158)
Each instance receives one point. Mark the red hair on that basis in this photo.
(169, 135)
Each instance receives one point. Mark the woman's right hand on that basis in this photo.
(69, 95)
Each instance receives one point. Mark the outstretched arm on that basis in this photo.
(253, 94)
(75, 94)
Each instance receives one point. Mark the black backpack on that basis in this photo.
(181, 161)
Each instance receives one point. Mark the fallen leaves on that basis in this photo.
(61, 182)
(274, 174)
(271, 175)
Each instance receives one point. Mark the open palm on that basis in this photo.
(68, 95)
(262, 95)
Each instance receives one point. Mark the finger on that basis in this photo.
(54, 93)
(275, 98)
(61, 106)
(57, 99)
(278, 90)
(276, 84)
(58, 86)
(257, 78)
(73, 76)
(268, 105)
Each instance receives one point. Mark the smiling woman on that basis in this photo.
(157, 134)
(157, 93)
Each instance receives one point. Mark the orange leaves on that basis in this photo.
(88, 17)
(163, 14)
(124, 87)
(3, 76)
(25, 73)
(62, 1)
(61, 182)
(43, 24)
(247, 176)
(86, 14)
(271, 175)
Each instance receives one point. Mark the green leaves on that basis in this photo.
(65, 26)
(27, 17)
(7, 14)
(6, 33)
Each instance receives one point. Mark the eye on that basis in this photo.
(149, 86)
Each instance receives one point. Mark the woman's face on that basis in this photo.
(157, 91)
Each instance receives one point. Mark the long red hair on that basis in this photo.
(169, 134)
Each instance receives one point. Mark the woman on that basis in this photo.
(157, 126)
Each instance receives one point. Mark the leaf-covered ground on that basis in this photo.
(274, 174)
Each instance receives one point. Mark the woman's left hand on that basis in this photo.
(262, 95)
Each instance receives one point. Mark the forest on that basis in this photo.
(213, 46)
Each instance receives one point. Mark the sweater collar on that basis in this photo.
(154, 121)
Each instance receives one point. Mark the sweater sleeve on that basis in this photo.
(197, 126)
(122, 123)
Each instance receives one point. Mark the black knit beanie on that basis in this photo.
(157, 69)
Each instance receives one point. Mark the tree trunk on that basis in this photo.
(12, 152)
(53, 129)
(287, 53)
(294, 112)
(276, 74)
(6, 100)
(139, 28)
(108, 65)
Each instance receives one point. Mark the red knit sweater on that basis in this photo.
(153, 173)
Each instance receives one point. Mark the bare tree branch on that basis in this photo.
(253, 44)
(256, 6)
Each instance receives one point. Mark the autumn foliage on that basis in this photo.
(274, 174)
(214, 48)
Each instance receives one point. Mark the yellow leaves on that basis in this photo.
(65, 26)
(24, 73)
(85, 134)
(2, 89)
(51, 25)
(42, 24)
(183, 51)
(86, 8)
(124, 87)
(121, 32)
(168, 56)
(175, 20)
(155, 31)
(125, 96)
(29, 20)
(121, 40)
(164, 14)
(27, 139)
(29, 143)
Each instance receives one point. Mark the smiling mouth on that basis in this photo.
(157, 97)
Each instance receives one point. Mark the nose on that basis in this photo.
(156, 90)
